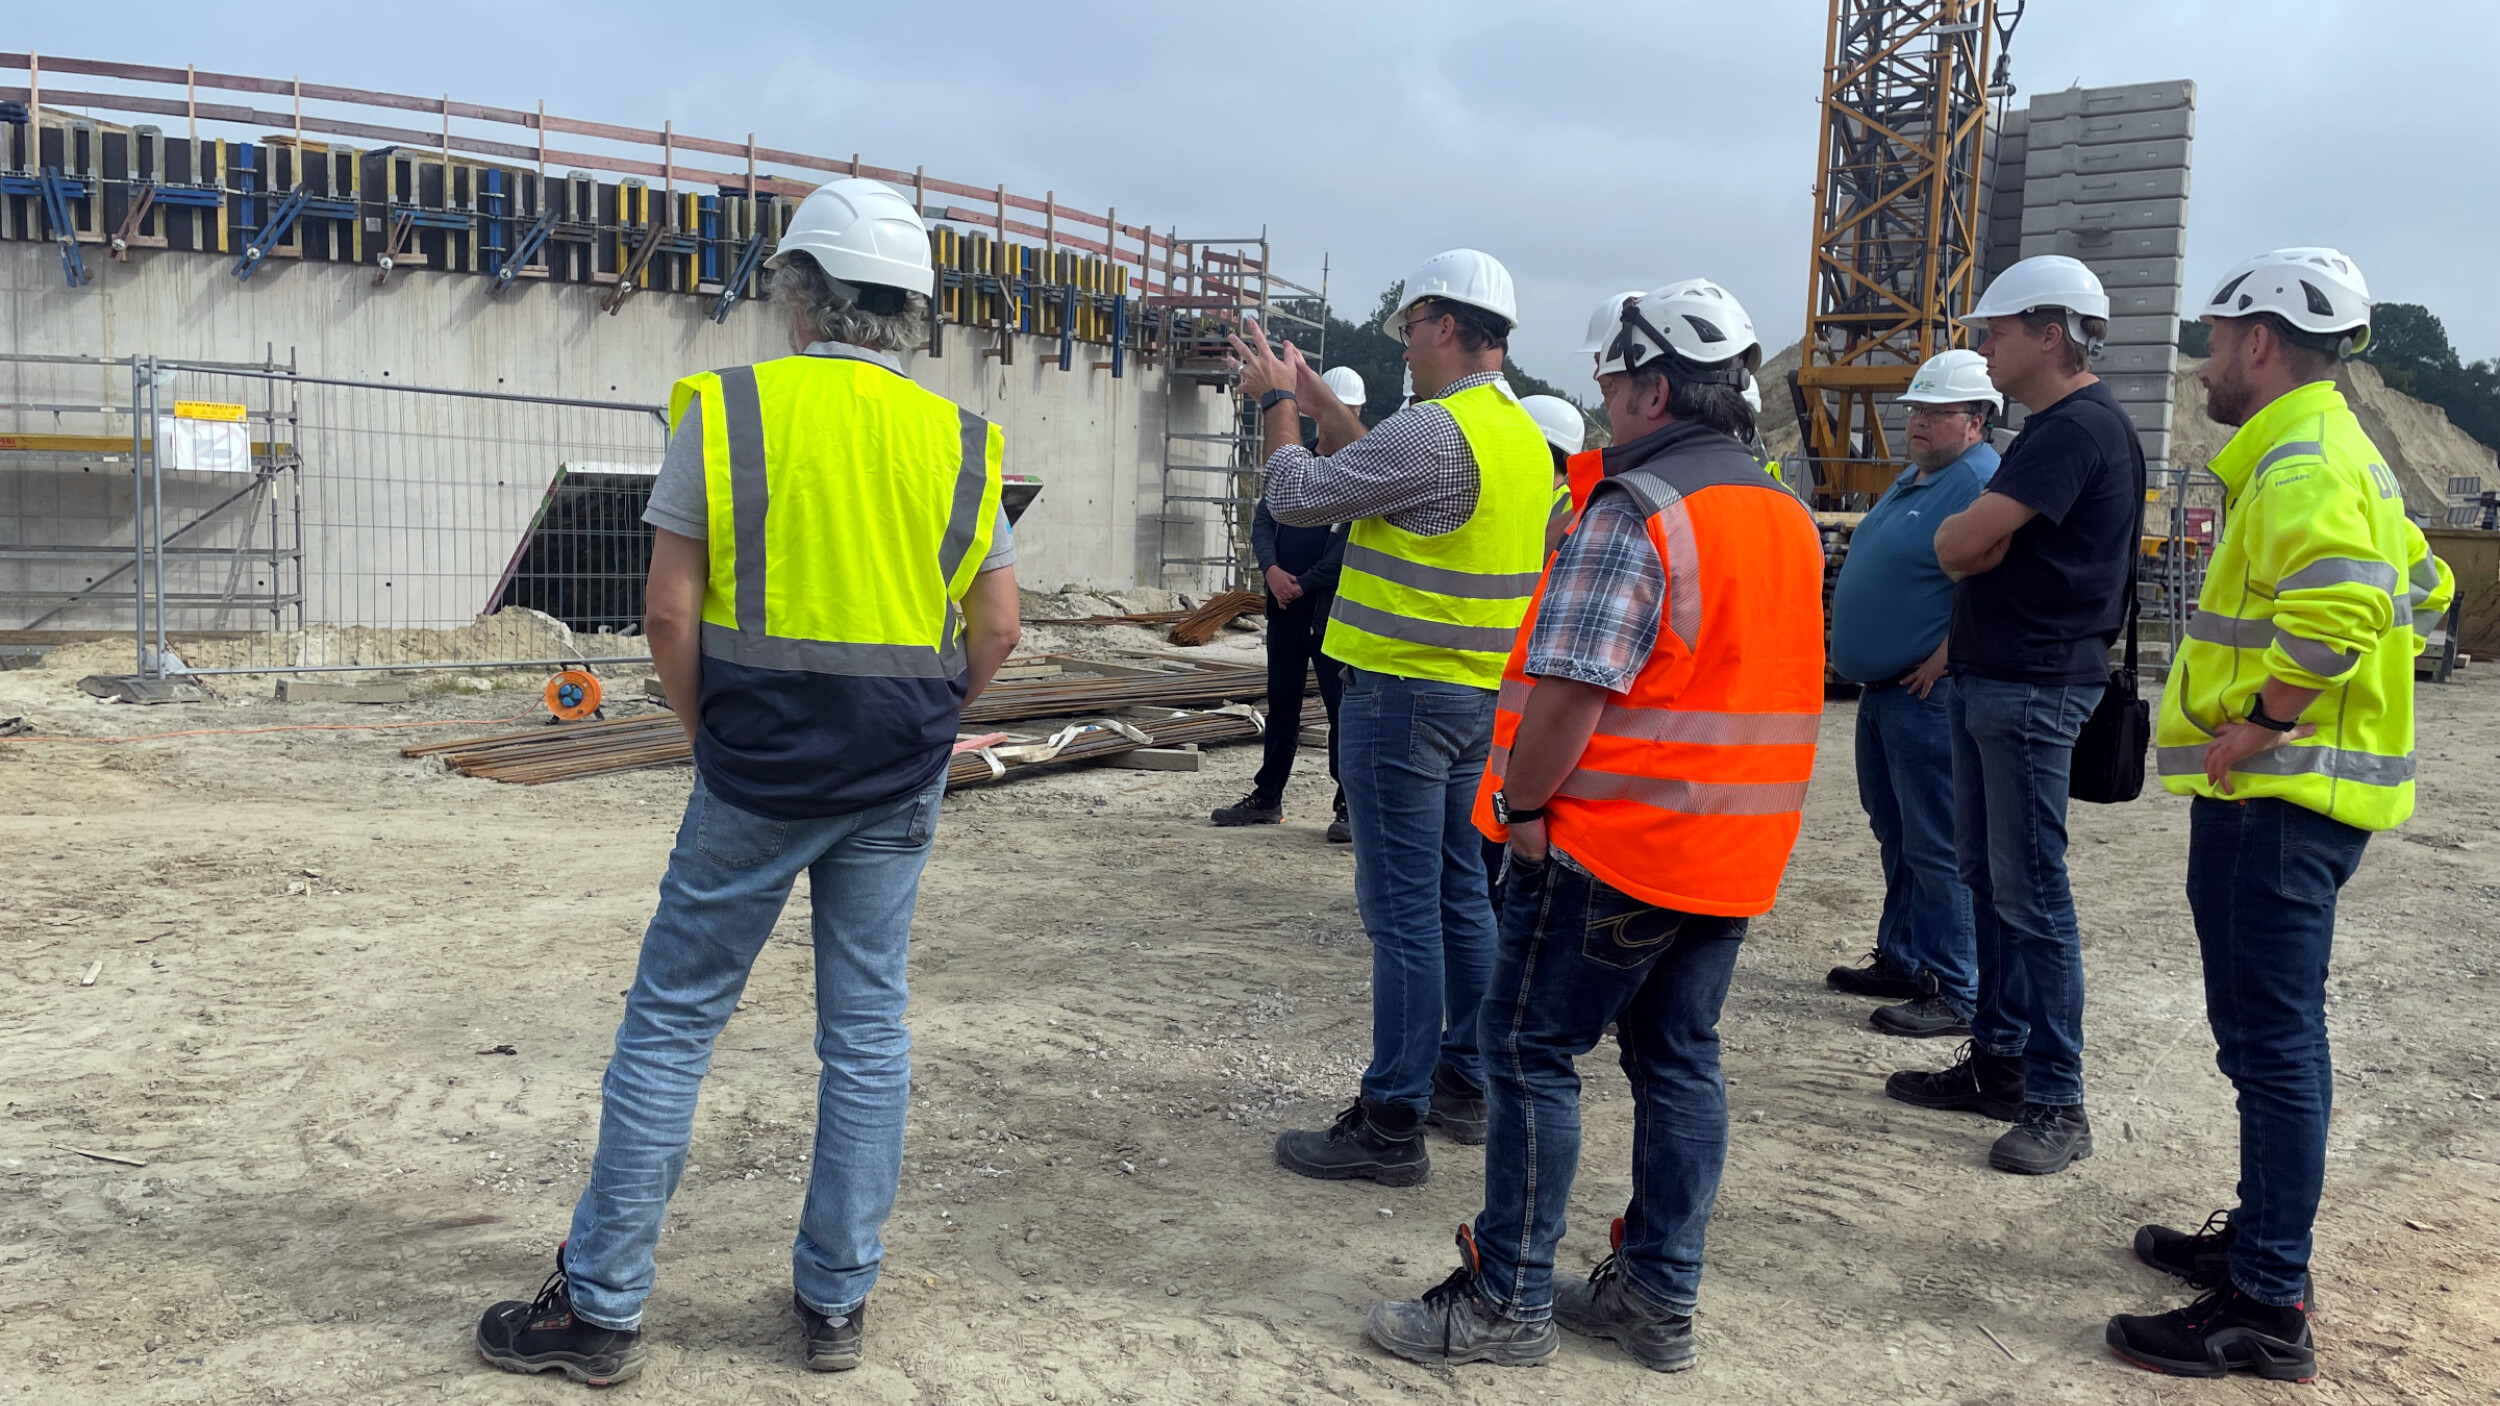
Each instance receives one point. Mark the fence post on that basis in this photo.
(139, 431)
(156, 512)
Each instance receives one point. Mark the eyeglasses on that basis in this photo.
(1936, 412)
(1406, 330)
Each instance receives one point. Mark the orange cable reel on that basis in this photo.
(572, 696)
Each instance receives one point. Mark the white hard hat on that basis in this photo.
(1565, 427)
(1753, 396)
(1695, 323)
(1954, 377)
(1346, 382)
(1602, 323)
(2042, 281)
(1459, 276)
(2316, 290)
(861, 231)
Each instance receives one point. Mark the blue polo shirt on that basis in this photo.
(1893, 603)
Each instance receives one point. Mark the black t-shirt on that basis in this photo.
(2048, 612)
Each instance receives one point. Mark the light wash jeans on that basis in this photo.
(727, 880)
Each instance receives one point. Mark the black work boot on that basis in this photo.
(1457, 1109)
(1252, 809)
(2202, 1258)
(1875, 977)
(1370, 1141)
(2224, 1330)
(833, 1343)
(1922, 1019)
(1453, 1323)
(2045, 1137)
(1340, 830)
(543, 1335)
(1982, 1083)
(1605, 1305)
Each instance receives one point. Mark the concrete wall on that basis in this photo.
(1096, 443)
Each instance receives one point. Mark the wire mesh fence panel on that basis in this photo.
(369, 526)
(68, 487)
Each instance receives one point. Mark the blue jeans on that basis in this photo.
(2013, 749)
(1905, 782)
(2262, 880)
(1575, 955)
(1412, 757)
(727, 880)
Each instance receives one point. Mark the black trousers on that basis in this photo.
(1294, 635)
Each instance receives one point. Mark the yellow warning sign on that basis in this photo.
(208, 410)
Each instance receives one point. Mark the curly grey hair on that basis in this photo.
(832, 310)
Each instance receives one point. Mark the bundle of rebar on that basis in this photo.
(576, 750)
(1202, 624)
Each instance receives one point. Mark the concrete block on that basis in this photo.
(2141, 331)
(2132, 387)
(2105, 102)
(2114, 245)
(2115, 158)
(2105, 188)
(1158, 759)
(2119, 271)
(2090, 219)
(2121, 360)
(2112, 129)
(2154, 414)
(340, 691)
(2161, 304)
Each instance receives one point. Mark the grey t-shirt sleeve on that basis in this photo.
(679, 503)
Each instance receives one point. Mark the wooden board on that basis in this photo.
(2474, 556)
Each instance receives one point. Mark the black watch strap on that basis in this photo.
(1508, 814)
(1275, 398)
(2257, 714)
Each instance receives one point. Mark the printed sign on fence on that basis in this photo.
(205, 436)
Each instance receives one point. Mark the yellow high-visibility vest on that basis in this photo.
(850, 510)
(2320, 580)
(1446, 607)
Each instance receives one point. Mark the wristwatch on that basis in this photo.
(1504, 816)
(1275, 398)
(2257, 715)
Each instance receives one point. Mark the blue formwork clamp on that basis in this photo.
(523, 252)
(735, 288)
(1067, 326)
(269, 236)
(57, 192)
(1119, 334)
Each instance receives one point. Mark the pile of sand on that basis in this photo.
(516, 633)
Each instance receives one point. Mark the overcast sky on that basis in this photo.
(1589, 146)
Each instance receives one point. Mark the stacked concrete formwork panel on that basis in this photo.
(2105, 180)
(2009, 143)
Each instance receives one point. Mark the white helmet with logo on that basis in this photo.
(1459, 276)
(1565, 427)
(1696, 325)
(1604, 321)
(1955, 377)
(2319, 291)
(1346, 383)
(861, 231)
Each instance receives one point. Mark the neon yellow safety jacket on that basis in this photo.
(2322, 581)
(1446, 607)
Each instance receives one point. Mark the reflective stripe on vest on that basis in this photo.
(1447, 607)
(849, 512)
(1690, 792)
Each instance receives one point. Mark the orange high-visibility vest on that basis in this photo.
(1691, 793)
(1582, 471)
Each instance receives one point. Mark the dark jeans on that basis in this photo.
(1413, 753)
(1576, 955)
(1294, 635)
(1905, 782)
(2262, 879)
(2013, 748)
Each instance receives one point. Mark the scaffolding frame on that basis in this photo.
(1898, 235)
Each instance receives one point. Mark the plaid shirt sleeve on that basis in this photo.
(1604, 596)
(1414, 469)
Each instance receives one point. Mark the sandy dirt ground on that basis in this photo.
(351, 1012)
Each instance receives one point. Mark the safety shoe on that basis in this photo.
(1982, 1083)
(2202, 1258)
(2222, 1331)
(543, 1336)
(1252, 809)
(1339, 831)
(1922, 1019)
(1453, 1323)
(833, 1341)
(1605, 1305)
(1875, 977)
(1456, 1110)
(1369, 1141)
(2045, 1137)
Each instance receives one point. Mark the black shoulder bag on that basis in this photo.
(2109, 751)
